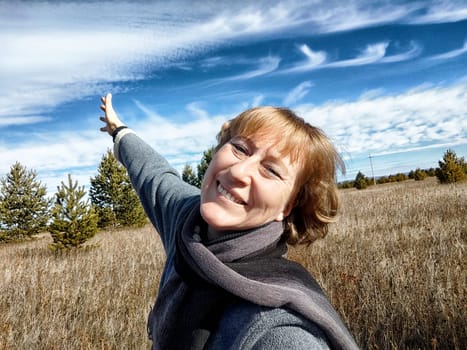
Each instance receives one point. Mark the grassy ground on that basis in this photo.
(96, 297)
(393, 266)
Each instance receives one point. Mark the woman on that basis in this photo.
(226, 283)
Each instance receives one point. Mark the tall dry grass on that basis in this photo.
(96, 297)
(393, 266)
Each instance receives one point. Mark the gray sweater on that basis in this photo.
(163, 195)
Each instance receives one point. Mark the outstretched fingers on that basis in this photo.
(110, 119)
(106, 102)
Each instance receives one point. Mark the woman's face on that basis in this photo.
(248, 184)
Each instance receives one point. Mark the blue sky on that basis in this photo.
(386, 78)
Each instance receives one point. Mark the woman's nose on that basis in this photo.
(243, 170)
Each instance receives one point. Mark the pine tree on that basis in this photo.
(204, 164)
(73, 219)
(113, 196)
(451, 168)
(361, 181)
(24, 207)
(188, 174)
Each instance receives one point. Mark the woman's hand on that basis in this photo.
(110, 119)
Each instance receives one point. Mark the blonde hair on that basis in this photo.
(314, 198)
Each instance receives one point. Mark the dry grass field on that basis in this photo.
(393, 266)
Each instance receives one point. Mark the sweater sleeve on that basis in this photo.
(160, 188)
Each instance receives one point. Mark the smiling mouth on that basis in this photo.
(229, 196)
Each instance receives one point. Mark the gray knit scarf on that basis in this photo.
(244, 265)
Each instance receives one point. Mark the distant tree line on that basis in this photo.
(71, 219)
(451, 169)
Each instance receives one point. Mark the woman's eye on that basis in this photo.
(239, 148)
(273, 172)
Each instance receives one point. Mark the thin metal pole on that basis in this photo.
(372, 172)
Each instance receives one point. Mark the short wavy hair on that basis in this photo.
(315, 195)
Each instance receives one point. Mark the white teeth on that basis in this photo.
(227, 195)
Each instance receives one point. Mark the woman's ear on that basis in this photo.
(287, 210)
(290, 207)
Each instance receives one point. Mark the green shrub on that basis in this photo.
(451, 168)
(419, 175)
(345, 184)
(73, 219)
(382, 180)
(24, 207)
(113, 197)
(361, 181)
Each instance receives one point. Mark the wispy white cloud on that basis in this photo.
(371, 94)
(298, 93)
(339, 16)
(450, 54)
(392, 123)
(196, 134)
(315, 58)
(371, 54)
(443, 11)
(244, 68)
(57, 150)
(69, 50)
(265, 65)
(65, 51)
(257, 101)
(55, 155)
(413, 51)
(9, 121)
